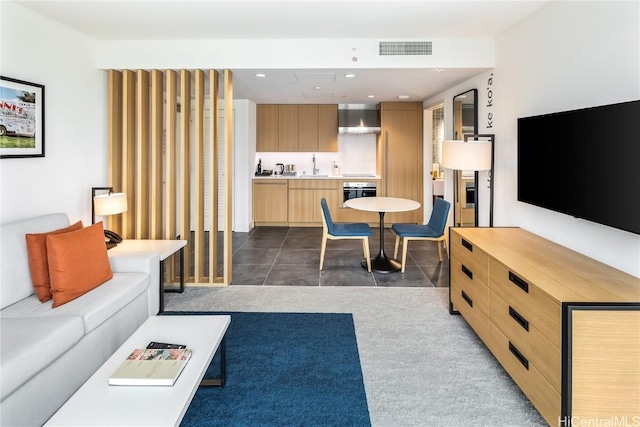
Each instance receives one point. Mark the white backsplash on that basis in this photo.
(356, 154)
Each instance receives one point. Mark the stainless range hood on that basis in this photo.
(358, 118)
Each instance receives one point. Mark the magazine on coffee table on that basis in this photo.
(147, 367)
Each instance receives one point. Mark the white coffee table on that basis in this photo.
(97, 403)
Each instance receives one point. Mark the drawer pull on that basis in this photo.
(518, 355)
(467, 299)
(468, 272)
(518, 318)
(467, 245)
(519, 282)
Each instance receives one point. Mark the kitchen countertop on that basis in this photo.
(306, 177)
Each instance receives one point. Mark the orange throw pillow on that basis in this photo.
(38, 265)
(78, 263)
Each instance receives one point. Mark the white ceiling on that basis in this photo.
(302, 19)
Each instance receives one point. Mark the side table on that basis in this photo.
(164, 248)
(381, 263)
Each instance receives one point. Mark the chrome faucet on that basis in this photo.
(315, 170)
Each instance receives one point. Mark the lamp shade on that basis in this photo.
(470, 156)
(110, 204)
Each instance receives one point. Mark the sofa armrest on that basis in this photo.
(141, 262)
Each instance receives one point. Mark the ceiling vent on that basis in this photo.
(405, 48)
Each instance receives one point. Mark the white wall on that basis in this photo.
(568, 55)
(356, 154)
(482, 82)
(48, 53)
(275, 53)
(244, 151)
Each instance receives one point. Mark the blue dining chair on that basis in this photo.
(434, 230)
(332, 231)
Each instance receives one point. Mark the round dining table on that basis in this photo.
(381, 263)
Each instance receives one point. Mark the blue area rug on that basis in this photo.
(285, 369)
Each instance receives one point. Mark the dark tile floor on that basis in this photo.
(290, 256)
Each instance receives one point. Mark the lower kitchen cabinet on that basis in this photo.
(564, 326)
(270, 202)
(304, 200)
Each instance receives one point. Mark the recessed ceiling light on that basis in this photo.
(438, 70)
(261, 75)
(403, 97)
(371, 96)
(316, 87)
(349, 75)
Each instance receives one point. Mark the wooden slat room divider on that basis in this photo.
(156, 148)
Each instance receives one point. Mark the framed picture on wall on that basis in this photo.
(21, 119)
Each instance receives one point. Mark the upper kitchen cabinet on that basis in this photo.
(297, 128)
(288, 127)
(307, 127)
(400, 156)
(267, 133)
(318, 127)
(328, 127)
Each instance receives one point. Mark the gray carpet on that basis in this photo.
(421, 366)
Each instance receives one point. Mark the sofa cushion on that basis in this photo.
(78, 262)
(15, 279)
(93, 307)
(38, 265)
(29, 345)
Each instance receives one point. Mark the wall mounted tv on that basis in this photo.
(584, 163)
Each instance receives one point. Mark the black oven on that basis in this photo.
(354, 190)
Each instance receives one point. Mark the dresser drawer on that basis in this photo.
(467, 307)
(471, 284)
(470, 255)
(527, 300)
(515, 361)
(524, 335)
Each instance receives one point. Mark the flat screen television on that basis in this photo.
(584, 163)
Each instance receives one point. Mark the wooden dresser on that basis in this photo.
(564, 326)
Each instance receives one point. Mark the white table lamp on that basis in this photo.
(108, 204)
(468, 156)
(471, 156)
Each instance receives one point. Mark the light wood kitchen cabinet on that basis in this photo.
(301, 205)
(304, 200)
(296, 127)
(307, 127)
(328, 127)
(400, 157)
(288, 127)
(318, 127)
(270, 201)
(564, 326)
(267, 132)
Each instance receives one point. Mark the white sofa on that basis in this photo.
(47, 353)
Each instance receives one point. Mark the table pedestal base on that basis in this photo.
(382, 264)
